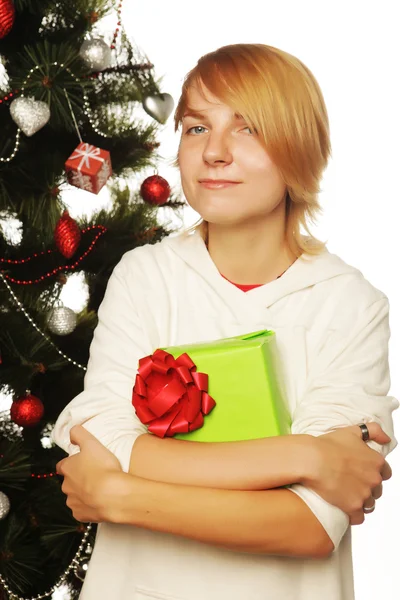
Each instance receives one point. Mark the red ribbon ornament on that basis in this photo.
(169, 395)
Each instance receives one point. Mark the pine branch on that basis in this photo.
(15, 465)
(19, 559)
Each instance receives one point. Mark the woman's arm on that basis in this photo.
(268, 522)
(338, 466)
(246, 465)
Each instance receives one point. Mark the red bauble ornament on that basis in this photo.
(7, 16)
(155, 190)
(27, 410)
(67, 235)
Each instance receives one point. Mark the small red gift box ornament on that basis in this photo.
(88, 167)
(169, 395)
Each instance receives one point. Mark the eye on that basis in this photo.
(250, 129)
(195, 127)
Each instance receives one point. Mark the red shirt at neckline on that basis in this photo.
(246, 287)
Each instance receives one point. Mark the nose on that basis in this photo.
(217, 149)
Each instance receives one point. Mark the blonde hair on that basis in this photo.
(279, 97)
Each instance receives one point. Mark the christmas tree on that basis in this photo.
(68, 96)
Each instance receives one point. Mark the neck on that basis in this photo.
(251, 253)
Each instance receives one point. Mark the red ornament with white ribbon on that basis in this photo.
(7, 17)
(169, 396)
(27, 411)
(88, 167)
(155, 190)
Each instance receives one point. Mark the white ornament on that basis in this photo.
(96, 54)
(159, 106)
(4, 505)
(30, 115)
(62, 320)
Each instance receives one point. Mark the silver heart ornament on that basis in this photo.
(30, 115)
(159, 106)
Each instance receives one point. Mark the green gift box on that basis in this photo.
(244, 380)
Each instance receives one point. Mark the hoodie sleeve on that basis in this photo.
(348, 385)
(105, 404)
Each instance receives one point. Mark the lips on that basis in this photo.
(217, 184)
(218, 181)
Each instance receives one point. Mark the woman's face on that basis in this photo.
(217, 144)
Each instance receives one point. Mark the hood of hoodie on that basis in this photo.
(305, 272)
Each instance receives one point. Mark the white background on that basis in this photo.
(353, 50)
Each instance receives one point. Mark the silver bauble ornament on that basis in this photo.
(4, 505)
(30, 115)
(159, 106)
(96, 54)
(62, 320)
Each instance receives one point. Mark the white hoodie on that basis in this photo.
(332, 334)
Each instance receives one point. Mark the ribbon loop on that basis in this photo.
(85, 152)
(169, 395)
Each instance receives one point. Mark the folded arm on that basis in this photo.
(267, 522)
(246, 465)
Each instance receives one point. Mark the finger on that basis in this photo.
(386, 471)
(64, 465)
(71, 502)
(357, 518)
(369, 503)
(376, 433)
(369, 509)
(79, 435)
(377, 491)
(369, 506)
(60, 466)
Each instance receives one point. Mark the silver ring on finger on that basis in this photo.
(369, 509)
(365, 432)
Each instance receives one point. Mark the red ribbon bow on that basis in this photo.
(170, 395)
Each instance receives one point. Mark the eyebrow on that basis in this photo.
(197, 114)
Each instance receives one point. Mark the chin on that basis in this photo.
(223, 220)
(214, 214)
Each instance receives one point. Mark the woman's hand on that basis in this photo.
(346, 472)
(90, 478)
(369, 505)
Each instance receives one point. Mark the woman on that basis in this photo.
(189, 521)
